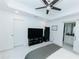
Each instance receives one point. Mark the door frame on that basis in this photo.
(64, 28)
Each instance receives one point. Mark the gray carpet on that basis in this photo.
(43, 52)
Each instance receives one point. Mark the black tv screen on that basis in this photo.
(35, 33)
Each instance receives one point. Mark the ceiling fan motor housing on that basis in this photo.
(49, 5)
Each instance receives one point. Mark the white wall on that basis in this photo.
(21, 26)
(14, 28)
(57, 36)
(76, 42)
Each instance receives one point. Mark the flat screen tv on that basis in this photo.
(35, 33)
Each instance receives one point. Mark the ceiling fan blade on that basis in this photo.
(55, 8)
(53, 2)
(47, 11)
(45, 2)
(41, 7)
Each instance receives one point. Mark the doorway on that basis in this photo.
(68, 35)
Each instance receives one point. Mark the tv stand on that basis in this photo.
(35, 41)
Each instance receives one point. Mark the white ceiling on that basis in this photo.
(68, 7)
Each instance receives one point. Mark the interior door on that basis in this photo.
(68, 33)
(6, 23)
(19, 33)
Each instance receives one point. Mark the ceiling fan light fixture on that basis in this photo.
(49, 1)
(48, 8)
(49, 5)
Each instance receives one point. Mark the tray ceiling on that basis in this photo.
(68, 7)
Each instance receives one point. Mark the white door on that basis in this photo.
(6, 23)
(19, 33)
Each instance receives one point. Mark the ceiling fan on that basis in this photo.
(49, 5)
